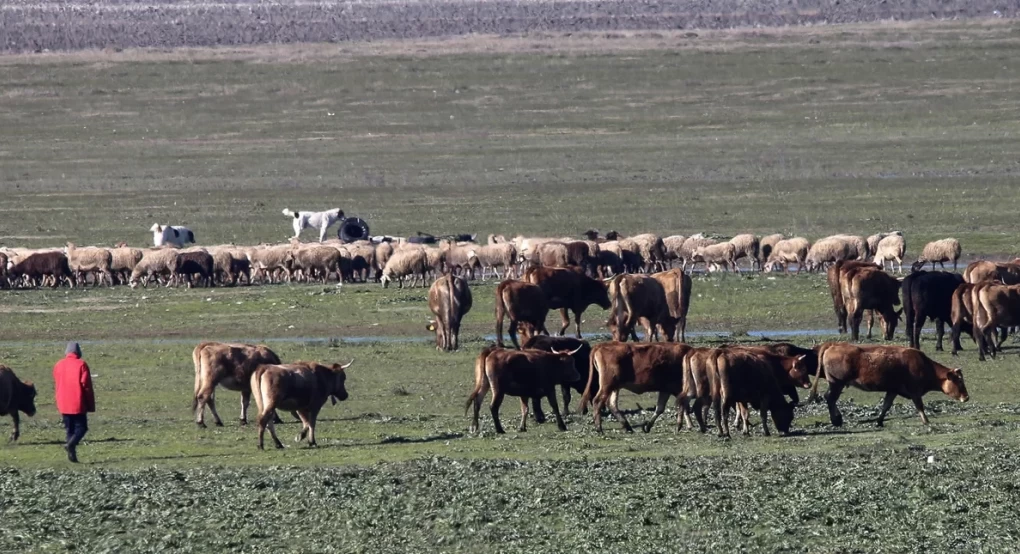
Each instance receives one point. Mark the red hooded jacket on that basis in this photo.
(74, 386)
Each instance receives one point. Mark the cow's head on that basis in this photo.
(782, 414)
(566, 371)
(800, 373)
(598, 292)
(953, 386)
(26, 400)
(339, 379)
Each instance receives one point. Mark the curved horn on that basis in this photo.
(566, 352)
(347, 365)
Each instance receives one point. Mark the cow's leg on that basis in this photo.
(919, 404)
(614, 407)
(835, 389)
(304, 427)
(211, 401)
(577, 324)
(940, 331)
(536, 404)
(660, 407)
(478, 397)
(556, 410)
(720, 422)
(565, 322)
(855, 325)
(871, 322)
(764, 410)
(513, 334)
(887, 403)
(523, 427)
(17, 426)
(497, 400)
(596, 406)
(701, 414)
(245, 402)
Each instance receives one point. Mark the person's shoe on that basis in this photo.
(72, 455)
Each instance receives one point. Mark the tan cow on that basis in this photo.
(449, 300)
(301, 387)
(229, 366)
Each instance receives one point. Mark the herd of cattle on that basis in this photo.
(387, 259)
(984, 301)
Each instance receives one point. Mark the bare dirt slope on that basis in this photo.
(29, 25)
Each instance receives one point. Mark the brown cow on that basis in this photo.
(742, 375)
(449, 300)
(639, 298)
(894, 370)
(301, 387)
(833, 275)
(229, 366)
(523, 373)
(993, 306)
(569, 290)
(639, 368)
(523, 303)
(15, 396)
(677, 286)
(868, 288)
(982, 270)
(962, 316)
(582, 355)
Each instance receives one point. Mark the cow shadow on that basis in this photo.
(416, 440)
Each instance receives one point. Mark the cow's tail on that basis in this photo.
(593, 368)
(257, 390)
(623, 291)
(616, 309)
(818, 374)
(451, 310)
(501, 309)
(197, 358)
(479, 379)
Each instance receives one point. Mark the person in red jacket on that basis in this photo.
(75, 398)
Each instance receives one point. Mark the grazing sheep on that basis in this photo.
(362, 254)
(652, 251)
(495, 255)
(403, 263)
(193, 262)
(786, 251)
(268, 262)
(90, 259)
(461, 257)
(672, 245)
(722, 253)
(765, 247)
(155, 262)
(692, 243)
(435, 259)
(828, 250)
(39, 268)
(940, 251)
(857, 246)
(892, 248)
(746, 246)
(495, 239)
(123, 259)
(316, 262)
(383, 251)
(171, 234)
(551, 254)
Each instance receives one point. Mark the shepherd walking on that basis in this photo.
(75, 398)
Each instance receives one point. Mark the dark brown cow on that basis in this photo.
(582, 355)
(523, 303)
(994, 306)
(229, 366)
(639, 368)
(745, 376)
(523, 373)
(894, 370)
(868, 288)
(15, 396)
(639, 298)
(41, 266)
(449, 300)
(677, 286)
(928, 294)
(569, 290)
(301, 387)
(833, 275)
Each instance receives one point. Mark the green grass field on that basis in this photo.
(804, 131)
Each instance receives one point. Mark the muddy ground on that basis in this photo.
(28, 25)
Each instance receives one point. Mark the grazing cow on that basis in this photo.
(929, 295)
(449, 300)
(785, 359)
(833, 276)
(523, 373)
(749, 377)
(582, 353)
(639, 298)
(868, 288)
(638, 368)
(894, 370)
(993, 306)
(568, 290)
(677, 286)
(301, 387)
(229, 366)
(15, 396)
(523, 303)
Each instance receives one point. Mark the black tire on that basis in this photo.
(353, 229)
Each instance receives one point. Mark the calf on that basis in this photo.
(230, 366)
(745, 376)
(582, 354)
(894, 370)
(302, 387)
(522, 373)
(638, 368)
(523, 303)
(15, 396)
(449, 300)
(569, 290)
(929, 295)
(868, 288)
(639, 298)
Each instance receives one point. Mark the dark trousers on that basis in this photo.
(76, 426)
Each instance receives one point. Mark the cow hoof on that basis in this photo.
(244, 422)
(562, 427)
(200, 424)
(261, 447)
(879, 424)
(279, 446)
(646, 428)
(219, 424)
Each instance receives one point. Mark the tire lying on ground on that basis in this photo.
(353, 229)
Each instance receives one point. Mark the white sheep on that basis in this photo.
(939, 251)
(891, 248)
(787, 251)
(89, 259)
(403, 263)
(155, 262)
(765, 247)
(746, 246)
(828, 250)
(692, 243)
(714, 254)
(496, 255)
(171, 234)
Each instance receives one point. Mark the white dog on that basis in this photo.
(167, 234)
(314, 220)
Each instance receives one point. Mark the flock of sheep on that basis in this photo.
(388, 259)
